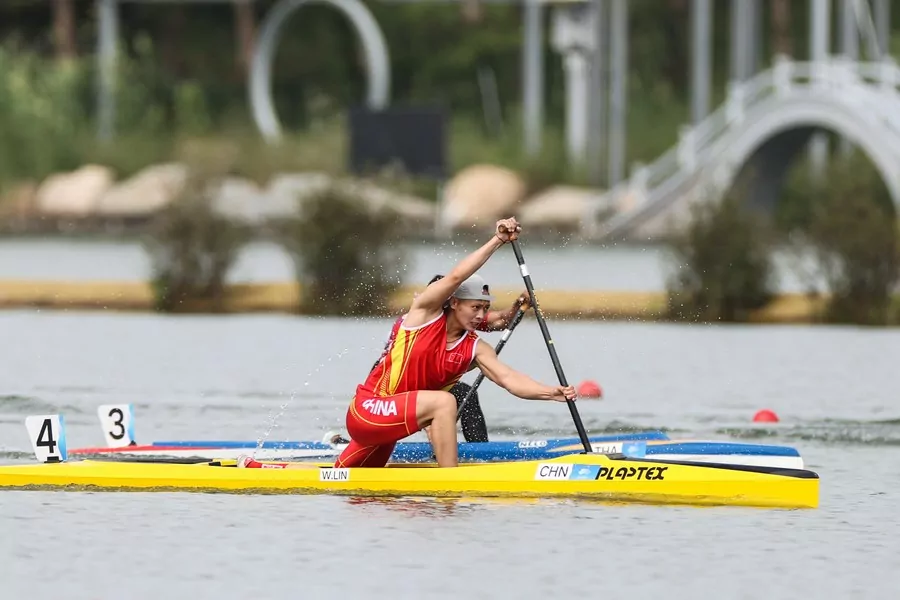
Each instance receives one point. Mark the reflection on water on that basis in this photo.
(413, 507)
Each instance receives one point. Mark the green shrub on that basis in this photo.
(346, 254)
(853, 233)
(192, 248)
(41, 117)
(48, 112)
(724, 265)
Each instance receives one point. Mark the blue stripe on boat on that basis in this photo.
(489, 446)
(713, 448)
(650, 443)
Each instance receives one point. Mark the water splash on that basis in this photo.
(272, 424)
(274, 417)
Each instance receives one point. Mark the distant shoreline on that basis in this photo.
(283, 298)
(134, 230)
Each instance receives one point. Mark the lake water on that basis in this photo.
(835, 390)
(567, 266)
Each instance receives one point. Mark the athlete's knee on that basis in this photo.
(445, 403)
(435, 404)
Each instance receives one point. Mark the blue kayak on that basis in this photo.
(505, 450)
(650, 444)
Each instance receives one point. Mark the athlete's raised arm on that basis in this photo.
(430, 302)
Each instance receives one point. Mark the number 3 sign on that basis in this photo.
(117, 421)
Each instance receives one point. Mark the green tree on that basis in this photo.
(723, 263)
(346, 254)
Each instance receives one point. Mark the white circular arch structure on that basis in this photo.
(374, 46)
(856, 124)
(858, 101)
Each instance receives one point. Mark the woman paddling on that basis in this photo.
(474, 426)
(434, 347)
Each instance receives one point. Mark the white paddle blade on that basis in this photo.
(117, 421)
(48, 437)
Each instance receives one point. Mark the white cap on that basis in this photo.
(473, 288)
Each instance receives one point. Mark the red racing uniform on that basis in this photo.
(383, 410)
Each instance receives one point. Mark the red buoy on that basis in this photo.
(765, 416)
(589, 389)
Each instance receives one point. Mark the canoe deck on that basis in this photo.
(597, 476)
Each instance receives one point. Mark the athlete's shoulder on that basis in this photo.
(398, 323)
(481, 345)
(436, 322)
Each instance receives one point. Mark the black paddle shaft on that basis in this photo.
(579, 426)
(508, 332)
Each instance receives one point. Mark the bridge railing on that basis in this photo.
(697, 144)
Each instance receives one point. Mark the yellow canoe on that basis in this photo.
(597, 476)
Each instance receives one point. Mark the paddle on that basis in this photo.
(508, 332)
(547, 339)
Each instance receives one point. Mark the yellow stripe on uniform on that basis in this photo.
(400, 354)
(390, 362)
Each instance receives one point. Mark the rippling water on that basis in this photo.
(230, 377)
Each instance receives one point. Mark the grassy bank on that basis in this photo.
(283, 298)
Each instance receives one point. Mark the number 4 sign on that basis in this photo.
(48, 437)
(117, 421)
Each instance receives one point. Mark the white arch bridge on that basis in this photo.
(763, 125)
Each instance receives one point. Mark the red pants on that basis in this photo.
(375, 424)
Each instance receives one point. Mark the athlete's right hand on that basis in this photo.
(508, 229)
(562, 393)
(523, 302)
